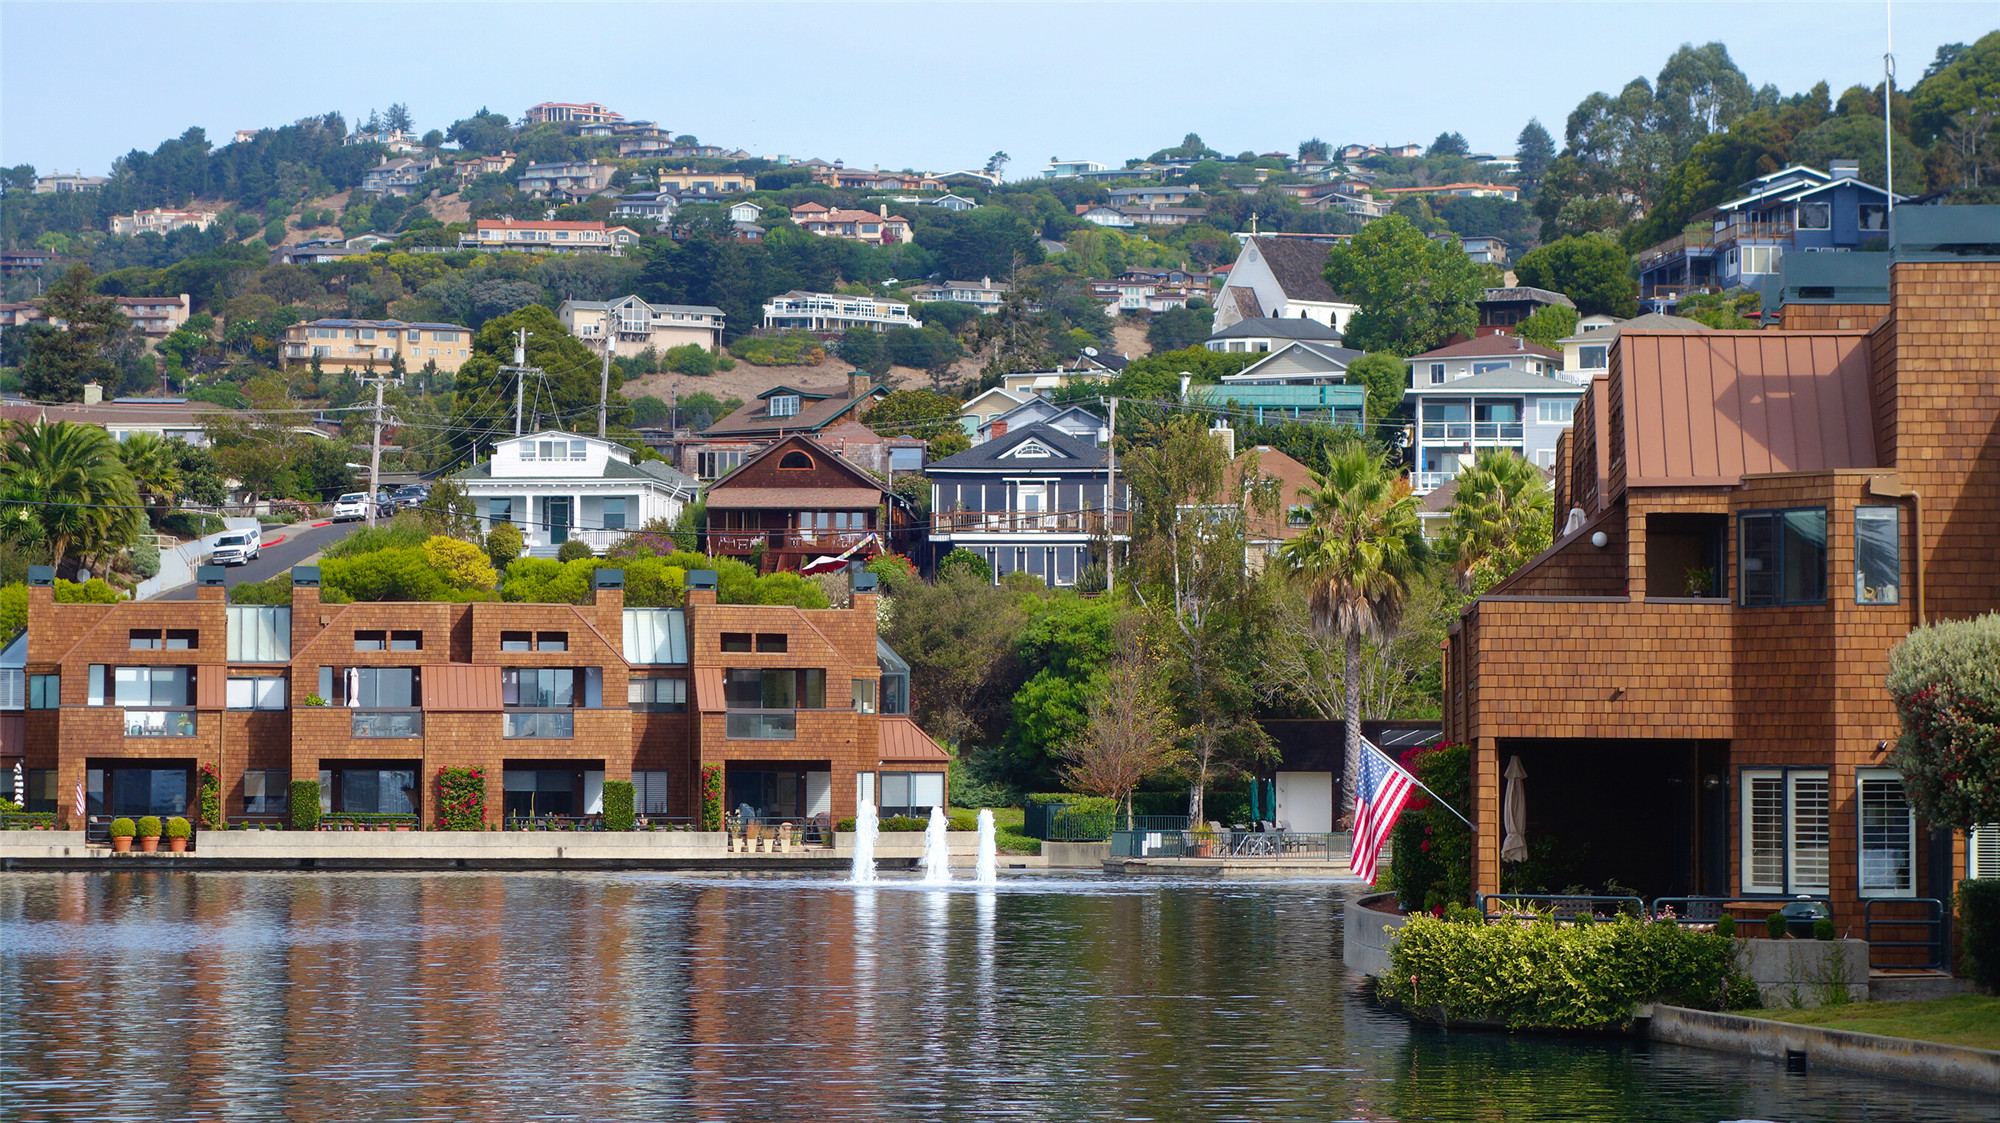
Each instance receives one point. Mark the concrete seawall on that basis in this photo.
(1923, 1061)
(1366, 935)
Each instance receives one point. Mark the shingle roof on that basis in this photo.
(1299, 268)
(814, 415)
(1525, 292)
(1277, 327)
(1074, 454)
(1490, 347)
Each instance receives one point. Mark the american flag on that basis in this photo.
(79, 800)
(1378, 799)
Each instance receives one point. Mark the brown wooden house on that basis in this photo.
(798, 500)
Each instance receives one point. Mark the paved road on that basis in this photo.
(301, 542)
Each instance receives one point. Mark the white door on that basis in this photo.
(819, 793)
(1305, 801)
(593, 793)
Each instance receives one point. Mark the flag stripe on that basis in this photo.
(1378, 801)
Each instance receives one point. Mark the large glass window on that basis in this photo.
(911, 793)
(44, 692)
(369, 790)
(151, 686)
(1888, 835)
(1593, 356)
(649, 792)
(262, 692)
(1878, 572)
(266, 791)
(1782, 556)
(660, 695)
(614, 514)
(1786, 831)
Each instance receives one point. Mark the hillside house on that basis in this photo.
(559, 487)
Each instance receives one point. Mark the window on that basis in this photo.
(550, 687)
(649, 793)
(614, 514)
(1888, 835)
(1815, 216)
(1593, 356)
(259, 634)
(795, 459)
(1437, 374)
(864, 695)
(1782, 556)
(736, 641)
(406, 641)
(371, 641)
(1786, 831)
(910, 793)
(499, 510)
(658, 695)
(145, 639)
(266, 791)
(1874, 216)
(773, 643)
(1762, 259)
(517, 641)
(710, 465)
(262, 692)
(1877, 555)
(143, 686)
(551, 641)
(44, 692)
(1482, 368)
(387, 687)
(1555, 411)
(785, 405)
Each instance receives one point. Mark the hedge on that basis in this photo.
(461, 799)
(1542, 975)
(1979, 928)
(1432, 865)
(618, 804)
(305, 805)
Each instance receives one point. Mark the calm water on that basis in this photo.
(630, 996)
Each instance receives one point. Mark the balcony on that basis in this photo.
(1031, 522)
(544, 724)
(1754, 232)
(1687, 240)
(1476, 431)
(761, 725)
(159, 723)
(388, 723)
(747, 541)
(1425, 482)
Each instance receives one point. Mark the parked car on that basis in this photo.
(237, 547)
(411, 495)
(352, 506)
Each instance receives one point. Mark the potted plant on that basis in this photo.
(149, 834)
(1204, 841)
(178, 832)
(122, 831)
(1699, 581)
(314, 700)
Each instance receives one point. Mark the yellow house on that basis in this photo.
(359, 346)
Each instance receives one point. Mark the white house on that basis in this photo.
(982, 294)
(745, 211)
(1302, 362)
(1496, 391)
(1281, 277)
(634, 325)
(1587, 354)
(559, 486)
(1073, 420)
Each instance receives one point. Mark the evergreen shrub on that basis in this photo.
(149, 826)
(619, 802)
(178, 827)
(1979, 928)
(123, 828)
(305, 805)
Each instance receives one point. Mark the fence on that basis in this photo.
(1140, 842)
(1063, 822)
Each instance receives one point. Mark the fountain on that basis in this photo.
(937, 849)
(863, 872)
(986, 872)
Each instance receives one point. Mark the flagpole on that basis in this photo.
(1413, 779)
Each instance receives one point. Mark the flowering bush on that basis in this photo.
(1945, 679)
(211, 798)
(711, 797)
(461, 799)
(1431, 865)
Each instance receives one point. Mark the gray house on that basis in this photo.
(1034, 500)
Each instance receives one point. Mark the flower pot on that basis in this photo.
(149, 845)
(121, 844)
(402, 826)
(177, 845)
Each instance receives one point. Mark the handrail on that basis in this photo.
(1558, 901)
(1707, 910)
(1934, 920)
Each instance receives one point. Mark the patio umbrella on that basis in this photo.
(20, 784)
(1514, 814)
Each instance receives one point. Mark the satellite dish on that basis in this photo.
(1091, 351)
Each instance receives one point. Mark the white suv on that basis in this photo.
(236, 547)
(352, 506)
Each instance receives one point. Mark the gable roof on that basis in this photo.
(1298, 266)
(1012, 398)
(1277, 327)
(816, 412)
(1523, 292)
(1050, 413)
(1490, 347)
(1071, 454)
(860, 489)
(1308, 353)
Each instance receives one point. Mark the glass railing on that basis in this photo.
(388, 723)
(761, 725)
(539, 723)
(159, 723)
(1472, 431)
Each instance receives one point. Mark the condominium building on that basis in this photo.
(496, 234)
(633, 325)
(362, 346)
(559, 112)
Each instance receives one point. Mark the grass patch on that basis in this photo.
(1971, 1020)
(1007, 823)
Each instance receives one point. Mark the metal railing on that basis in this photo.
(1472, 430)
(556, 725)
(1572, 907)
(387, 723)
(1047, 522)
(367, 821)
(1932, 922)
(159, 723)
(1708, 910)
(1268, 845)
(259, 822)
(760, 725)
(552, 823)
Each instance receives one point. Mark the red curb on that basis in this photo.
(274, 541)
(317, 525)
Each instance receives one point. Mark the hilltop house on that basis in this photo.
(496, 234)
(1032, 501)
(827, 313)
(1490, 392)
(560, 112)
(774, 414)
(560, 487)
(573, 177)
(656, 205)
(398, 176)
(982, 294)
(363, 346)
(633, 325)
(472, 167)
(160, 220)
(1282, 278)
(855, 226)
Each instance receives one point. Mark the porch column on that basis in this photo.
(1486, 815)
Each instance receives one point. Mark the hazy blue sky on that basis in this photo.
(933, 85)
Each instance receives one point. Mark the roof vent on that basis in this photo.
(702, 579)
(1844, 169)
(305, 577)
(41, 575)
(609, 579)
(208, 575)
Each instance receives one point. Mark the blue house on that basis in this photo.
(1032, 500)
(1742, 243)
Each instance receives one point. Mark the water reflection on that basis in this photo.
(537, 996)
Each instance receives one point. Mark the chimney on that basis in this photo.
(885, 210)
(1227, 436)
(92, 393)
(607, 595)
(865, 593)
(209, 585)
(859, 383)
(701, 587)
(1844, 169)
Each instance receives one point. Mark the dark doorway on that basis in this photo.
(1623, 812)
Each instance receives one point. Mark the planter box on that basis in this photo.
(1802, 973)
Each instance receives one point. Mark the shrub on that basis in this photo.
(503, 545)
(145, 559)
(461, 799)
(1433, 849)
(1945, 679)
(305, 804)
(211, 798)
(572, 550)
(790, 349)
(1823, 929)
(149, 826)
(618, 804)
(1979, 927)
(902, 824)
(123, 828)
(962, 560)
(690, 359)
(1774, 926)
(1725, 925)
(711, 797)
(1542, 975)
(178, 827)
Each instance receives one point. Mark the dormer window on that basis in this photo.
(785, 405)
(1030, 449)
(795, 459)
(552, 450)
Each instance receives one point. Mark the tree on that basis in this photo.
(63, 487)
(1179, 328)
(958, 635)
(562, 396)
(1500, 519)
(398, 118)
(1945, 679)
(1413, 292)
(1592, 271)
(1723, 311)
(914, 413)
(1534, 149)
(504, 544)
(1355, 562)
(61, 362)
(1448, 144)
(996, 165)
(461, 564)
(1129, 732)
(154, 465)
(962, 562)
(1400, 674)
(1314, 150)
(1962, 79)
(1386, 378)
(1548, 325)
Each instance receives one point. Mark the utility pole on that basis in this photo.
(604, 378)
(1111, 499)
(1888, 97)
(520, 371)
(375, 453)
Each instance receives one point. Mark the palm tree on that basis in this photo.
(1500, 517)
(1360, 551)
(63, 485)
(154, 465)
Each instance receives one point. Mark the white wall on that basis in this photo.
(1305, 801)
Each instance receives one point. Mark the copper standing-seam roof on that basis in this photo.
(708, 696)
(784, 498)
(1712, 407)
(901, 740)
(461, 686)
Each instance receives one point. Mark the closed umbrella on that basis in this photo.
(20, 785)
(1514, 814)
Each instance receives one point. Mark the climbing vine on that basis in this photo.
(711, 797)
(211, 798)
(461, 799)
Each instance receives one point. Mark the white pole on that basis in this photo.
(1888, 97)
(375, 455)
(604, 380)
(1111, 499)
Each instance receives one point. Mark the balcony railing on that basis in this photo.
(1046, 522)
(547, 724)
(388, 723)
(159, 723)
(1422, 482)
(1753, 232)
(761, 725)
(1697, 239)
(1472, 431)
(747, 541)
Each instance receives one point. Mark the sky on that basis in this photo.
(936, 86)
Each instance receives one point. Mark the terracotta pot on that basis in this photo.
(402, 826)
(121, 844)
(149, 845)
(177, 845)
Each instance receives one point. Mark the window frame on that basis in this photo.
(1862, 778)
(44, 692)
(262, 693)
(1894, 558)
(1542, 412)
(1779, 595)
(1437, 374)
(1789, 779)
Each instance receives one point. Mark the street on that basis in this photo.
(302, 540)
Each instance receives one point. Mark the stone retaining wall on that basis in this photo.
(1900, 1058)
(1367, 934)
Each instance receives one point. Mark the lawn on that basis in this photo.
(1006, 822)
(1971, 1020)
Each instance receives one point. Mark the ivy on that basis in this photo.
(211, 798)
(618, 804)
(305, 805)
(461, 799)
(711, 797)
(1433, 848)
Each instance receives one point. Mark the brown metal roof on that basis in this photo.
(784, 498)
(461, 686)
(1712, 407)
(708, 697)
(901, 740)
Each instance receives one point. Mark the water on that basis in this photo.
(985, 871)
(338, 996)
(866, 827)
(937, 849)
